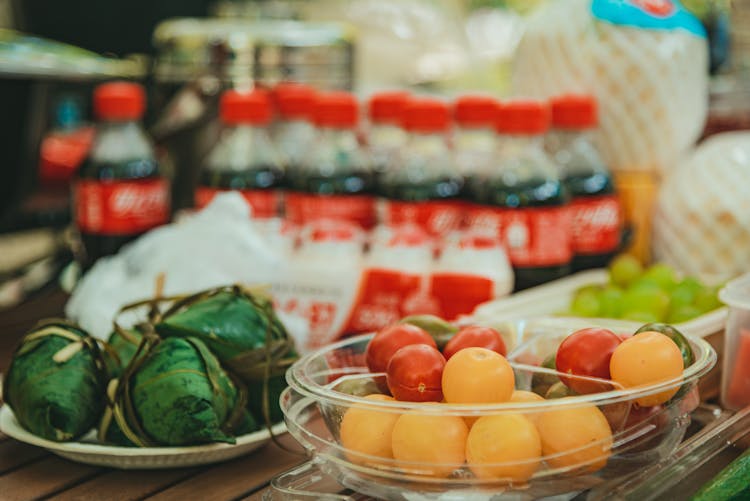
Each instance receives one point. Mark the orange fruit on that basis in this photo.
(566, 432)
(521, 396)
(366, 433)
(505, 446)
(477, 376)
(432, 445)
(645, 359)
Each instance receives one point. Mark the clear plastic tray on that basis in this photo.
(712, 436)
(314, 409)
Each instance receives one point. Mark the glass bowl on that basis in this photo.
(326, 384)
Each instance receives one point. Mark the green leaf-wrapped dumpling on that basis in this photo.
(174, 392)
(56, 381)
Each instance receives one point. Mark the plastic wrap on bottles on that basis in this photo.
(646, 61)
(702, 220)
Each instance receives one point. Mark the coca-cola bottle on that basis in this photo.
(385, 137)
(293, 132)
(244, 159)
(524, 198)
(119, 192)
(474, 138)
(423, 186)
(335, 181)
(596, 210)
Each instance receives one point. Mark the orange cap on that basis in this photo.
(426, 115)
(525, 117)
(336, 109)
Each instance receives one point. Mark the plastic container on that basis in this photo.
(323, 387)
(735, 378)
(551, 298)
(714, 438)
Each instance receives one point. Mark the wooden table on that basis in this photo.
(28, 472)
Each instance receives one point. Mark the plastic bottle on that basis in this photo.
(386, 137)
(244, 158)
(119, 192)
(423, 186)
(474, 139)
(524, 198)
(596, 209)
(335, 181)
(293, 132)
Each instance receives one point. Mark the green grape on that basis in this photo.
(646, 298)
(645, 283)
(683, 314)
(624, 270)
(586, 303)
(662, 274)
(684, 293)
(707, 299)
(610, 302)
(640, 316)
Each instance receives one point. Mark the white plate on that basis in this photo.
(89, 452)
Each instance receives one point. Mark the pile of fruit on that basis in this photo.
(655, 294)
(505, 446)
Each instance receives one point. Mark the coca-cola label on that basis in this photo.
(303, 208)
(597, 224)
(533, 236)
(437, 218)
(264, 203)
(120, 207)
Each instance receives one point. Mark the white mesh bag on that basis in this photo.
(651, 81)
(702, 220)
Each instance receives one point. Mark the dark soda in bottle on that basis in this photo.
(474, 140)
(596, 210)
(423, 186)
(119, 192)
(335, 182)
(244, 159)
(524, 199)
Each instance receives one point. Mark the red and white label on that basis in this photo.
(265, 203)
(435, 217)
(597, 224)
(120, 207)
(303, 208)
(532, 236)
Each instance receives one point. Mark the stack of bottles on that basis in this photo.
(436, 207)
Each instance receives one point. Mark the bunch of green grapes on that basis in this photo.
(654, 294)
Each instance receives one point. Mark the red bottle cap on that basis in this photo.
(387, 107)
(294, 100)
(426, 115)
(237, 107)
(523, 117)
(119, 101)
(574, 111)
(336, 109)
(475, 111)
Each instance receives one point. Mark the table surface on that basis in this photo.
(28, 472)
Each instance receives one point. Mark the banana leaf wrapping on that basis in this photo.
(242, 329)
(124, 343)
(174, 392)
(56, 382)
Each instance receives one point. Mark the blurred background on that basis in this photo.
(186, 52)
